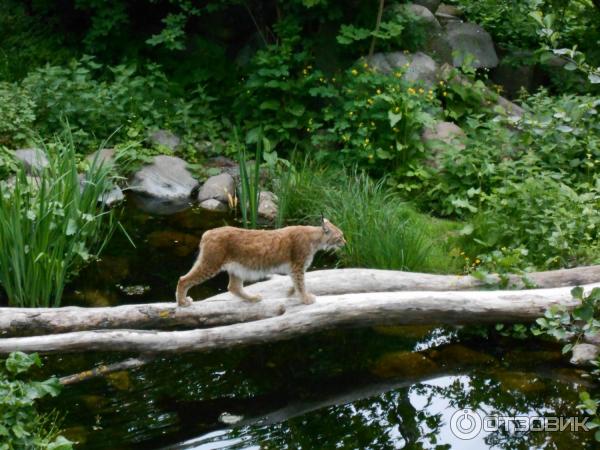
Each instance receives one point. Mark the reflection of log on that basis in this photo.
(351, 310)
(213, 311)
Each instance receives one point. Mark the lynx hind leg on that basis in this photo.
(236, 287)
(298, 279)
(201, 271)
(291, 291)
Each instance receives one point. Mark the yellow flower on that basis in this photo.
(397, 109)
(350, 113)
(411, 91)
(366, 140)
(370, 101)
(421, 90)
(378, 91)
(397, 74)
(395, 129)
(441, 83)
(305, 72)
(445, 94)
(333, 79)
(370, 155)
(354, 72)
(365, 65)
(308, 130)
(477, 261)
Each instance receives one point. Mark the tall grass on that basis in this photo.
(51, 224)
(382, 231)
(249, 188)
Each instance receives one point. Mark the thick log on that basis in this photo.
(351, 310)
(223, 309)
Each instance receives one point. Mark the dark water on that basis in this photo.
(383, 388)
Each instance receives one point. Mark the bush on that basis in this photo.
(21, 426)
(16, 115)
(556, 225)
(50, 226)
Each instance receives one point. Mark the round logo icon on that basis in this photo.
(465, 424)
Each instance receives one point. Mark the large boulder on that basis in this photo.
(459, 39)
(438, 137)
(421, 13)
(220, 187)
(164, 138)
(431, 5)
(163, 187)
(417, 67)
(104, 156)
(33, 159)
(584, 354)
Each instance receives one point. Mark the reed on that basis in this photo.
(51, 224)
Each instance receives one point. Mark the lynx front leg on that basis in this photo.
(199, 273)
(236, 287)
(298, 279)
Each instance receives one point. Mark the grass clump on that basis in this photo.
(51, 224)
(382, 231)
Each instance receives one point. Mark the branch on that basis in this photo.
(96, 372)
(377, 24)
(341, 311)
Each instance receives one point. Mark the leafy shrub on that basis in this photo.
(557, 225)
(21, 426)
(16, 115)
(50, 226)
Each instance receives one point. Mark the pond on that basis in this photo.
(376, 388)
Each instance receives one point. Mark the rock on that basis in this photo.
(422, 14)
(165, 138)
(445, 19)
(404, 364)
(439, 137)
(421, 67)
(33, 159)
(584, 354)
(431, 5)
(163, 187)
(213, 205)
(112, 197)
(405, 331)
(524, 382)
(220, 162)
(516, 71)
(509, 107)
(449, 10)
(33, 181)
(459, 39)
(267, 205)
(454, 354)
(220, 187)
(104, 156)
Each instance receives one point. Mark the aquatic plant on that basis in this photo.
(51, 224)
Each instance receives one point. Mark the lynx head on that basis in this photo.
(333, 238)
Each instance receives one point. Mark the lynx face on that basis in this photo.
(333, 237)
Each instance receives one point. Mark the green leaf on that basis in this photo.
(577, 292)
(71, 227)
(19, 362)
(394, 118)
(270, 105)
(594, 79)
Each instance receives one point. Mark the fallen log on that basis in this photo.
(350, 310)
(100, 371)
(223, 309)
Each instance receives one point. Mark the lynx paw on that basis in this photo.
(291, 291)
(254, 298)
(308, 299)
(187, 302)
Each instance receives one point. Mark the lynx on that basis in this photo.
(249, 255)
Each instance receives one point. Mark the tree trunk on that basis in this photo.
(223, 309)
(337, 311)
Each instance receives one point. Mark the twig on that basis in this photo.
(100, 371)
(379, 15)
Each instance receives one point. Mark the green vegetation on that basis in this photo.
(382, 231)
(21, 426)
(51, 224)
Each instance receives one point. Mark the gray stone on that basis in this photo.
(510, 108)
(267, 205)
(439, 137)
(104, 156)
(163, 187)
(584, 354)
(220, 187)
(460, 39)
(165, 138)
(421, 13)
(112, 197)
(417, 67)
(431, 5)
(450, 10)
(213, 205)
(33, 159)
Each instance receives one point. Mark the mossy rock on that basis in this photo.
(525, 382)
(405, 331)
(461, 355)
(404, 364)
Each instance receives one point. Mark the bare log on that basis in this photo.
(223, 309)
(351, 310)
